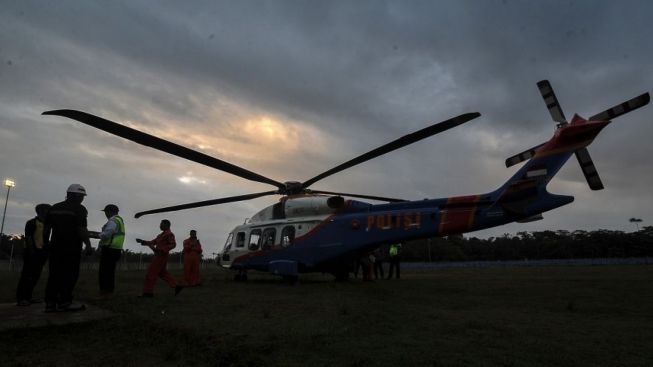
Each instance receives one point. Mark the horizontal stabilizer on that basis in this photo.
(623, 108)
(534, 204)
(523, 156)
(533, 218)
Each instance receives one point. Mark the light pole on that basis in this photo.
(9, 183)
(636, 221)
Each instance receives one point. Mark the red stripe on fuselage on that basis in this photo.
(258, 253)
(314, 230)
(310, 233)
(461, 217)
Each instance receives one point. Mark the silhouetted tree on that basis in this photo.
(559, 244)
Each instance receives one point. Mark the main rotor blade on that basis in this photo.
(199, 204)
(379, 198)
(589, 171)
(394, 145)
(551, 101)
(162, 145)
(623, 108)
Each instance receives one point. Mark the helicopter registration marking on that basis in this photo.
(407, 220)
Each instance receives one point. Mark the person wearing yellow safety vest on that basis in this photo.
(394, 251)
(112, 238)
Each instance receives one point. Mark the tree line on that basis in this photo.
(534, 246)
(540, 245)
(18, 242)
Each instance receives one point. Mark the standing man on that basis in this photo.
(34, 256)
(66, 221)
(192, 259)
(394, 252)
(112, 238)
(378, 264)
(161, 246)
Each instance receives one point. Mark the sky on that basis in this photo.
(290, 89)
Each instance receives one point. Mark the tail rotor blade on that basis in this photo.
(589, 170)
(623, 108)
(525, 155)
(199, 204)
(551, 101)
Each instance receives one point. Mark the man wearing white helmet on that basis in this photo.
(66, 230)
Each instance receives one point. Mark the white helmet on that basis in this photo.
(76, 189)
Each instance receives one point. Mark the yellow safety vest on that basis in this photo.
(394, 250)
(118, 238)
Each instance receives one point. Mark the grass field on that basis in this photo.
(547, 316)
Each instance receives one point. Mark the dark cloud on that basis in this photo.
(342, 77)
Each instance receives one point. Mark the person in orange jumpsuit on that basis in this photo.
(192, 258)
(161, 246)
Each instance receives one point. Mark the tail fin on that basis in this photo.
(582, 154)
(525, 192)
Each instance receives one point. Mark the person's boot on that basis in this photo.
(50, 307)
(104, 295)
(71, 307)
(178, 289)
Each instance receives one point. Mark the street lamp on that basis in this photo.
(9, 183)
(636, 221)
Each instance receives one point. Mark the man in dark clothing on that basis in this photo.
(34, 256)
(67, 223)
(378, 263)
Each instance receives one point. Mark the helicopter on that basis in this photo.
(310, 230)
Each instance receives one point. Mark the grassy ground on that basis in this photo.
(548, 316)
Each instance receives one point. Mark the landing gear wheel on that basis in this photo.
(241, 277)
(341, 275)
(291, 279)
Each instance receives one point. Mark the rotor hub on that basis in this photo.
(293, 188)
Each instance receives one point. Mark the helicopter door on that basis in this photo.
(287, 236)
(240, 240)
(227, 247)
(232, 249)
(269, 236)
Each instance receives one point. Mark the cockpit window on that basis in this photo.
(287, 236)
(240, 239)
(254, 238)
(227, 244)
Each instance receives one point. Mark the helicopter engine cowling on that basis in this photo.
(304, 206)
(312, 205)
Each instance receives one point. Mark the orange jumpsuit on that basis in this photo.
(192, 257)
(163, 243)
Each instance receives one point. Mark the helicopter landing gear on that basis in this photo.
(342, 275)
(241, 276)
(291, 279)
